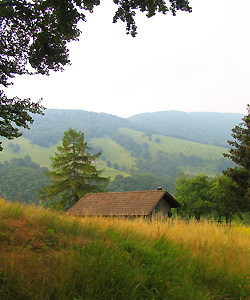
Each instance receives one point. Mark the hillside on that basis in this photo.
(133, 151)
(150, 159)
(159, 154)
(47, 255)
(48, 130)
(201, 127)
(205, 128)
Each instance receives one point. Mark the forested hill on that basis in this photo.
(202, 127)
(206, 128)
(48, 129)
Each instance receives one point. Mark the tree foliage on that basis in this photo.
(15, 113)
(37, 32)
(240, 155)
(194, 195)
(224, 196)
(74, 173)
(21, 179)
(34, 37)
(240, 151)
(140, 182)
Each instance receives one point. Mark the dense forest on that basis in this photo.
(21, 179)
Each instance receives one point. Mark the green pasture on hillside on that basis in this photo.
(37, 153)
(174, 145)
(42, 155)
(210, 155)
(113, 151)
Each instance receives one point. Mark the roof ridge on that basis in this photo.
(127, 192)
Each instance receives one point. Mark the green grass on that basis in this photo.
(177, 146)
(42, 155)
(174, 145)
(47, 256)
(114, 152)
(37, 153)
(109, 172)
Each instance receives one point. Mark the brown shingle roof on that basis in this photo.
(121, 203)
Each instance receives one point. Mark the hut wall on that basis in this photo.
(162, 208)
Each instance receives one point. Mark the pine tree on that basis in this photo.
(73, 174)
(240, 155)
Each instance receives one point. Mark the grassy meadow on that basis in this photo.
(112, 151)
(42, 155)
(37, 153)
(174, 145)
(49, 255)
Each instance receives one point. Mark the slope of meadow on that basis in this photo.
(37, 153)
(48, 255)
(190, 157)
(42, 155)
(174, 145)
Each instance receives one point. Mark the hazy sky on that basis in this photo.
(192, 62)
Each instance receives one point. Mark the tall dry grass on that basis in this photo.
(49, 255)
(220, 246)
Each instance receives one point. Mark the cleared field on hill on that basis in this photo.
(208, 155)
(42, 155)
(174, 145)
(113, 152)
(37, 153)
(47, 255)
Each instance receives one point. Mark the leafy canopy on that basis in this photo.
(33, 40)
(14, 113)
(35, 33)
(74, 173)
(194, 195)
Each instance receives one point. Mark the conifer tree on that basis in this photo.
(240, 155)
(73, 174)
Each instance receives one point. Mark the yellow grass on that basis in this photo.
(220, 246)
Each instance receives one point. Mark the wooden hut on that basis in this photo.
(145, 203)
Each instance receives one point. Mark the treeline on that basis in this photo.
(140, 182)
(172, 164)
(216, 198)
(21, 179)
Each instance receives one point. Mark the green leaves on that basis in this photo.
(34, 37)
(194, 195)
(240, 155)
(14, 113)
(127, 10)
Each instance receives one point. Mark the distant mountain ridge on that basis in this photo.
(48, 129)
(202, 127)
